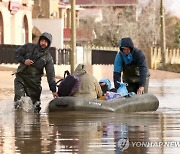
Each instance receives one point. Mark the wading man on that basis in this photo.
(33, 58)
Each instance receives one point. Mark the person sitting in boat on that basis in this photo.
(88, 86)
(105, 85)
(131, 61)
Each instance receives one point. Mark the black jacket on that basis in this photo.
(42, 59)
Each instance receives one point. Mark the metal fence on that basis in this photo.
(63, 57)
(103, 57)
(172, 56)
(7, 53)
(60, 56)
(93, 56)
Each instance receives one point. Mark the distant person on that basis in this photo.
(130, 62)
(89, 86)
(33, 58)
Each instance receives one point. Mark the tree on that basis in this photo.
(172, 31)
(112, 28)
(144, 28)
(177, 34)
(149, 25)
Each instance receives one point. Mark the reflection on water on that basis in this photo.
(168, 93)
(81, 132)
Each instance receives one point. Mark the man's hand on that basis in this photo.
(140, 90)
(28, 62)
(55, 94)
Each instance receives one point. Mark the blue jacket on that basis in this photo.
(126, 64)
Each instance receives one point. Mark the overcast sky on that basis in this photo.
(173, 6)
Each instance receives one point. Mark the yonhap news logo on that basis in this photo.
(124, 144)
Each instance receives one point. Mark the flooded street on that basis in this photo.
(168, 93)
(97, 133)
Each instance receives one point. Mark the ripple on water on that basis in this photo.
(93, 132)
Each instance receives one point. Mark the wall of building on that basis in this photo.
(53, 26)
(13, 20)
(54, 9)
(6, 17)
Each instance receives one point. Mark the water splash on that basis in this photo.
(25, 104)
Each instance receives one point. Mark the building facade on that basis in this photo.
(15, 21)
(53, 16)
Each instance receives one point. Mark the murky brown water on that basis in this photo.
(97, 133)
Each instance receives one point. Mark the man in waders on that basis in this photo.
(33, 58)
(131, 62)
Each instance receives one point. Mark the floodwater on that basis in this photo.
(95, 133)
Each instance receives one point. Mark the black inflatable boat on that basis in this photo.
(136, 103)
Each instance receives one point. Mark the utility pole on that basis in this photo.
(163, 34)
(73, 36)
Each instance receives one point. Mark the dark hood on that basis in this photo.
(126, 42)
(47, 36)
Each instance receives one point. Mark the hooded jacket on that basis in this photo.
(42, 59)
(133, 65)
(89, 86)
